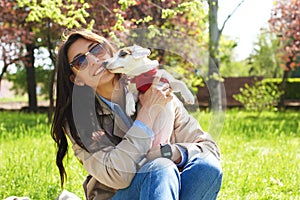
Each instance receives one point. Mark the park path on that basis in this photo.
(20, 105)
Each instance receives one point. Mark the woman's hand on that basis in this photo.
(153, 101)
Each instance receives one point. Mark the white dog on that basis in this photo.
(134, 62)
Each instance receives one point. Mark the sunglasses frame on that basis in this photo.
(81, 67)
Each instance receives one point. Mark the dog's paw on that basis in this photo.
(130, 109)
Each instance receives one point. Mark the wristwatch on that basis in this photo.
(166, 151)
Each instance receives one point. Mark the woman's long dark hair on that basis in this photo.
(63, 115)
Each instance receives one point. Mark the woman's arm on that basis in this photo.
(115, 166)
(189, 134)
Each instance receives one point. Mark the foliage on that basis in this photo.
(45, 21)
(259, 97)
(264, 59)
(230, 67)
(66, 15)
(168, 28)
(235, 69)
(174, 28)
(292, 90)
(28, 25)
(14, 34)
(285, 23)
(258, 156)
(19, 78)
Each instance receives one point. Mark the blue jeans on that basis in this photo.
(160, 179)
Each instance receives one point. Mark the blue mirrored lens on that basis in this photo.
(98, 50)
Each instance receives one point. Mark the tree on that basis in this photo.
(29, 25)
(285, 23)
(231, 67)
(49, 19)
(214, 78)
(114, 19)
(264, 59)
(18, 44)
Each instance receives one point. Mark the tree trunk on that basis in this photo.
(214, 85)
(52, 77)
(30, 76)
(283, 87)
(51, 95)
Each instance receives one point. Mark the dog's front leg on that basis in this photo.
(130, 104)
(131, 99)
(135, 93)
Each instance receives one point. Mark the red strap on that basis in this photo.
(144, 81)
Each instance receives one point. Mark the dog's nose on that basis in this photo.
(104, 64)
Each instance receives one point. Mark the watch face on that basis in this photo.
(167, 154)
(166, 151)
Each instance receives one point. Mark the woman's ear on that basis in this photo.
(76, 81)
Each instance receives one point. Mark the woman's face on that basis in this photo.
(88, 68)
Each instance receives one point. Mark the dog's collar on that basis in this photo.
(144, 81)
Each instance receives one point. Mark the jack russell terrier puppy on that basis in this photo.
(134, 62)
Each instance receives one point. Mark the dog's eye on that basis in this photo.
(123, 53)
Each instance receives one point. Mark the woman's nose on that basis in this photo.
(93, 59)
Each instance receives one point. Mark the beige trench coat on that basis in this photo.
(113, 166)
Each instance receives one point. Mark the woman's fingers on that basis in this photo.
(96, 135)
(156, 79)
(165, 86)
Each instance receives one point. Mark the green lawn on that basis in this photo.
(260, 156)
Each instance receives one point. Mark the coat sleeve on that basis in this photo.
(189, 134)
(115, 166)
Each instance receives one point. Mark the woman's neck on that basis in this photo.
(112, 92)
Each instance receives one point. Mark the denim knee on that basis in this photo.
(211, 166)
(163, 167)
(201, 177)
(162, 180)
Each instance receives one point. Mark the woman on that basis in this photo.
(116, 150)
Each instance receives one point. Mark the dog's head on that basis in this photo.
(132, 61)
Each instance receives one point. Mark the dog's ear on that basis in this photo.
(139, 52)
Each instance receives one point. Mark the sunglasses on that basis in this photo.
(81, 62)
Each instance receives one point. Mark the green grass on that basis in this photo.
(23, 98)
(27, 159)
(260, 156)
(14, 99)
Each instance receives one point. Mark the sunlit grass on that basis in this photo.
(27, 156)
(260, 156)
(23, 98)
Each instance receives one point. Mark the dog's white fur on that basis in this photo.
(66, 195)
(134, 61)
(16, 198)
